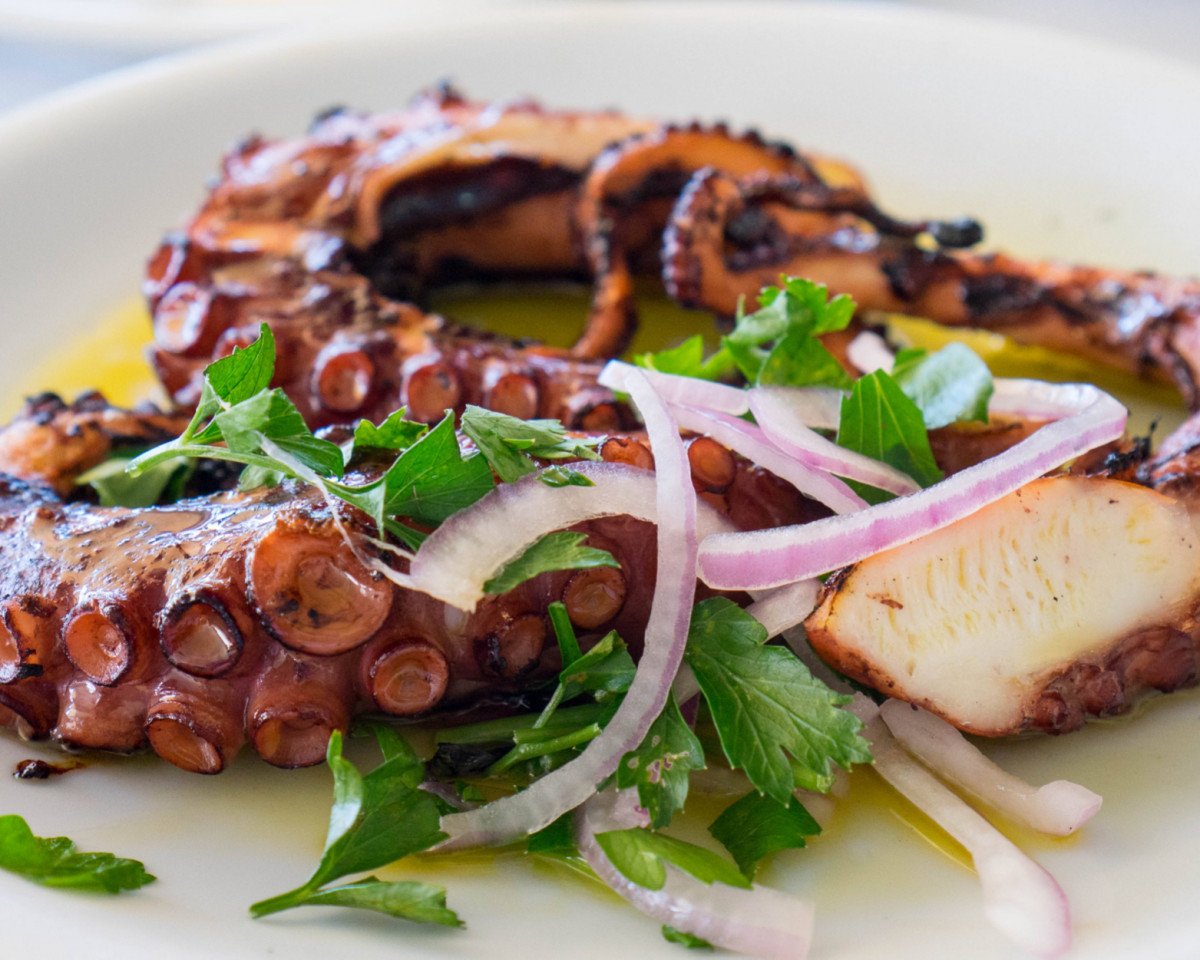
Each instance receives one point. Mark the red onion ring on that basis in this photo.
(819, 408)
(785, 607)
(769, 558)
(687, 391)
(1059, 808)
(748, 440)
(760, 921)
(463, 553)
(1020, 898)
(784, 426)
(564, 789)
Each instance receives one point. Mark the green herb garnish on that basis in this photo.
(115, 487)
(641, 855)
(671, 935)
(880, 421)
(661, 767)
(757, 826)
(510, 444)
(376, 819)
(554, 551)
(775, 720)
(776, 344)
(57, 862)
(951, 385)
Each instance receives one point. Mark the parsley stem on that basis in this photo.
(540, 748)
(506, 728)
(550, 707)
(564, 633)
(285, 901)
(168, 451)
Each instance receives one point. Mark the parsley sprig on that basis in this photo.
(376, 819)
(57, 862)
(241, 419)
(884, 416)
(778, 344)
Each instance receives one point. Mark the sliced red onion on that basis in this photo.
(785, 607)
(1059, 808)
(748, 440)
(817, 407)
(785, 428)
(463, 553)
(760, 921)
(1036, 399)
(548, 798)
(760, 559)
(869, 352)
(1020, 898)
(688, 391)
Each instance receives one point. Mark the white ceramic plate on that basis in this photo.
(1062, 148)
(156, 25)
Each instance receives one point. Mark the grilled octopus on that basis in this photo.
(329, 238)
(728, 236)
(231, 616)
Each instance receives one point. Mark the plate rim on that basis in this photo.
(229, 53)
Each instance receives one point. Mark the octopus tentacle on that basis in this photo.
(626, 198)
(323, 236)
(728, 237)
(235, 617)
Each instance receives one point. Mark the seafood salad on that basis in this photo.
(566, 588)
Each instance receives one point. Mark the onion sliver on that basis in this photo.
(463, 553)
(869, 352)
(817, 407)
(673, 388)
(748, 440)
(1036, 399)
(1059, 808)
(760, 559)
(760, 921)
(785, 428)
(548, 798)
(1020, 898)
(785, 607)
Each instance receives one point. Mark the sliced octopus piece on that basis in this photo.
(1072, 597)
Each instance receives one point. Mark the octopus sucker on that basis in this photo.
(235, 617)
(263, 617)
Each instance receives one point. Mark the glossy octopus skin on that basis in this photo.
(316, 235)
(626, 199)
(328, 236)
(729, 236)
(246, 617)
